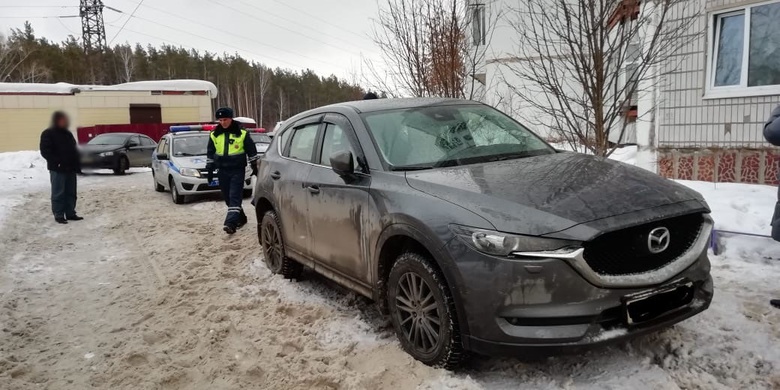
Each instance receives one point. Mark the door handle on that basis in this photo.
(276, 175)
(313, 189)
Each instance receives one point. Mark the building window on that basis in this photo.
(478, 27)
(746, 51)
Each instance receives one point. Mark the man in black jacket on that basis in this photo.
(229, 149)
(772, 135)
(59, 149)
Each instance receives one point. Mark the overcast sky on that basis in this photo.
(328, 36)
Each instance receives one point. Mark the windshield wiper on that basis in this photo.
(411, 168)
(512, 156)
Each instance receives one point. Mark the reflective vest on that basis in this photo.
(235, 146)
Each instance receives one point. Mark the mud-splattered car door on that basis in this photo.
(337, 203)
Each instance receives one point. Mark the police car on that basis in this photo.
(179, 164)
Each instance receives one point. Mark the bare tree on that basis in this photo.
(426, 50)
(127, 62)
(263, 85)
(282, 104)
(581, 62)
(10, 58)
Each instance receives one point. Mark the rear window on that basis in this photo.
(258, 138)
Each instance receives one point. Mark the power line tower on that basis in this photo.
(93, 31)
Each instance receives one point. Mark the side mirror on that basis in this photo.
(342, 163)
(162, 156)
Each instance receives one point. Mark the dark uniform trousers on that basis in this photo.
(231, 183)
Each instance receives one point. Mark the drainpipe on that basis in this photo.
(647, 118)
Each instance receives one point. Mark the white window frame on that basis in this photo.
(713, 36)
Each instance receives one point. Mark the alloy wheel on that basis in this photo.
(272, 245)
(418, 312)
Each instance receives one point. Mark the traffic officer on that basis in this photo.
(229, 149)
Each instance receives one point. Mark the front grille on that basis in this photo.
(206, 187)
(626, 251)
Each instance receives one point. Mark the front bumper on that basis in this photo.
(97, 162)
(546, 306)
(189, 185)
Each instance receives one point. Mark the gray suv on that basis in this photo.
(475, 235)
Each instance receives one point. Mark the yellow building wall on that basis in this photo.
(20, 129)
(24, 117)
(180, 114)
(102, 116)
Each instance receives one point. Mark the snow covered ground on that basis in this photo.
(148, 295)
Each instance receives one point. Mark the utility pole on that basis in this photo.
(93, 32)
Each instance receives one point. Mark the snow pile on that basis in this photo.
(625, 154)
(20, 172)
(350, 328)
(738, 207)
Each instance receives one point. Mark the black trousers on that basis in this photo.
(63, 193)
(231, 183)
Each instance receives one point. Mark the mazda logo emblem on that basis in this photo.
(658, 240)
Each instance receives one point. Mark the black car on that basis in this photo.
(476, 235)
(118, 152)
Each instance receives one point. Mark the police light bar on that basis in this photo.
(177, 129)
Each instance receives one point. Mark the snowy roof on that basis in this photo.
(59, 88)
(244, 120)
(155, 85)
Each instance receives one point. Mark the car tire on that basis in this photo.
(175, 197)
(418, 298)
(157, 186)
(274, 253)
(121, 166)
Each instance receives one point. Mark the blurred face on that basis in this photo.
(63, 122)
(225, 122)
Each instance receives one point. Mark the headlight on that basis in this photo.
(189, 172)
(503, 244)
(106, 154)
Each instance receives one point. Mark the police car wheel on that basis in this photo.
(274, 252)
(177, 199)
(157, 186)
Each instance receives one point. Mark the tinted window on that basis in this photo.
(108, 139)
(146, 141)
(334, 141)
(302, 143)
(134, 141)
(162, 145)
(283, 138)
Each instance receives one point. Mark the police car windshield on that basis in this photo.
(193, 145)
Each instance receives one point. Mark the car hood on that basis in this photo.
(550, 193)
(87, 148)
(198, 162)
